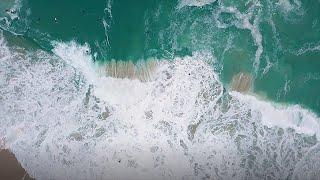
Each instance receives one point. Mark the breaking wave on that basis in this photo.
(64, 119)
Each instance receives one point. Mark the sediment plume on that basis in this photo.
(241, 82)
(142, 70)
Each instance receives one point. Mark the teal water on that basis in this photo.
(288, 69)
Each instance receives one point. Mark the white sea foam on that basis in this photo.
(198, 3)
(308, 167)
(242, 21)
(79, 57)
(106, 21)
(291, 10)
(294, 116)
(308, 47)
(288, 5)
(62, 121)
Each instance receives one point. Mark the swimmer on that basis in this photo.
(55, 20)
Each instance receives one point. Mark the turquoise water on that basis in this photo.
(184, 124)
(139, 30)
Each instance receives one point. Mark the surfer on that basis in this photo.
(13, 11)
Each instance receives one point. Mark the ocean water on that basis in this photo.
(120, 89)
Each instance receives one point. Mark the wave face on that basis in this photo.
(148, 90)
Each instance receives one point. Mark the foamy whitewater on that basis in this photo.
(183, 3)
(64, 119)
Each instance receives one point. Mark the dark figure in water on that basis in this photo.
(83, 12)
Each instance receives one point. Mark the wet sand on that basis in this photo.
(142, 70)
(241, 82)
(10, 169)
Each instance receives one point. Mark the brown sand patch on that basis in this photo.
(142, 70)
(241, 82)
(10, 169)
